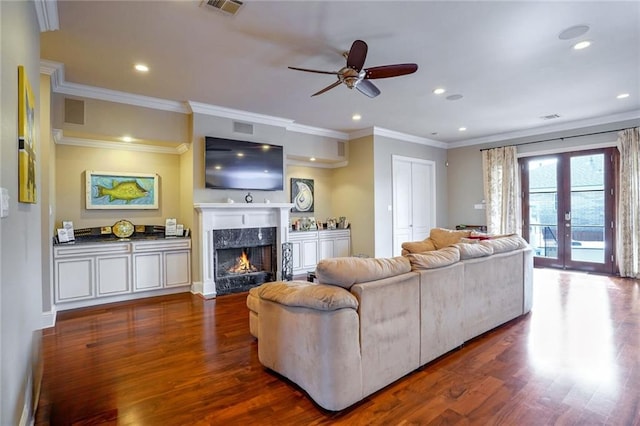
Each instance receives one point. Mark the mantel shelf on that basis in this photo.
(244, 206)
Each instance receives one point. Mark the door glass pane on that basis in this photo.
(543, 207)
(587, 208)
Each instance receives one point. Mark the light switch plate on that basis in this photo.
(4, 202)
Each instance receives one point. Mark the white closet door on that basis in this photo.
(413, 200)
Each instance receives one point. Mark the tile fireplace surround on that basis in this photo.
(212, 216)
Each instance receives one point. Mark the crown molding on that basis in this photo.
(236, 114)
(60, 85)
(379, 131)
(47, 13)
(60, 139)
(560, 127)
(318, 131)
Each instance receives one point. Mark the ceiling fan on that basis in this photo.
(353, 75)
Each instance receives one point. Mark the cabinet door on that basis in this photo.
(177, 268)
(327, 249)
(113, 275)
(296, 255)
(147, 271)
(309, 255)
(342, 247)
(74, 279)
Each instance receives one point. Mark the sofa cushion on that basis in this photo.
(434, 259)
(308, 295)
(442, 237)
(347, 271)
(472, 250)
(504, 244)
(418, 246)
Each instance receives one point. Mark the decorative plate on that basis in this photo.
(123, 229)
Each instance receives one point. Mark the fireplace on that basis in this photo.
(213, 232)
(243, 258)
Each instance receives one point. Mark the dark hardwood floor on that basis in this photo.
(181, 360)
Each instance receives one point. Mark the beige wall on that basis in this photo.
(465, 164)
(323, 188)
(71, 163)
(21, 231)
(353, 195)
(110, 120)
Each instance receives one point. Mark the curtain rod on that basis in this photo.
(559, 138)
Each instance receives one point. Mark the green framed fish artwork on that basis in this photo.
(117, 190)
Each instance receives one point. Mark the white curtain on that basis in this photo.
(628, 214)
(502, 192)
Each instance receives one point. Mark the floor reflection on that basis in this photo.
(572, 332)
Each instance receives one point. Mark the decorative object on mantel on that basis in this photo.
(117, 190)
(248, 198)
(302, 195)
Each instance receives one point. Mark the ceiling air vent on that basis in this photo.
(550, 117)
(228, 6)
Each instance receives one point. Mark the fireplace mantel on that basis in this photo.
(231, 216)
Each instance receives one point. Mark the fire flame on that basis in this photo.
(242, 265)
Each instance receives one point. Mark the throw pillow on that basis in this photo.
(418, 246)
(442, 237)
(307, 295)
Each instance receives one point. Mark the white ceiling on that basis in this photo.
(504, 57)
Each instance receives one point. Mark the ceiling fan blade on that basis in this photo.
(357, 55)
(386, 71)
(316, 71)
(331, 86)
(368, 88)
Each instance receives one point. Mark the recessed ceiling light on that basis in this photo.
(141, 68)
(127, 138)
(622, 95)
(312, 159)
(573, 32)
(356, 117)
(439, 91)
(218, 167)
(582, 45)
(454, 97)
(240, 154)
(462, 129)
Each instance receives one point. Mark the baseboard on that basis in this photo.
(197, 288)
(27, 418)
(48, 319)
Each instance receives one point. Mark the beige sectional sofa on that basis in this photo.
(368, 322)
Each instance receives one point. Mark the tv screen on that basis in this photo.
(232, 164)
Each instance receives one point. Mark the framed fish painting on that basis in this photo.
(302, 195)
(116, 190)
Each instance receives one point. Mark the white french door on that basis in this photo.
(414, 200)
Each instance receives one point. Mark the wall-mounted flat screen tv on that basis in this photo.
(232, 164)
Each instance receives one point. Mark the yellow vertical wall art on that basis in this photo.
(26, 140)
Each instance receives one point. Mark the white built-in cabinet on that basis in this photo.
(88, 274)
(309, 247)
